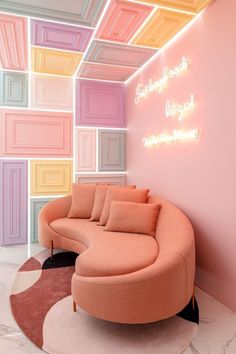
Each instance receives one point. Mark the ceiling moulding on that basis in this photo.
(122, 20)
(184, 5)
(82, 12)
(118, 54)
(105, 72)
(163, 26)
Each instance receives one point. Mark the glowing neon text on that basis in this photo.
(167, 138)
(182, 110)
(162, 83)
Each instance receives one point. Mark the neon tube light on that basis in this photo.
(168, 138)
(182, 110)
(161, 84)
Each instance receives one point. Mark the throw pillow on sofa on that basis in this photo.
(131, 217)
(126, 195)
(82, 200)
(100, 195)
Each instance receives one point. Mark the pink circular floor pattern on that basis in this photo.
(41, 303)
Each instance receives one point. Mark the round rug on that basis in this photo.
(41, 304)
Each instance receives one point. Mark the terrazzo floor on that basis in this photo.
(216, 334)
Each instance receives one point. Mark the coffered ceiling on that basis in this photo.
(89, 39)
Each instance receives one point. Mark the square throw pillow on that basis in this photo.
(122, 194)
(131, 217)
(100, 196)
(82, 200)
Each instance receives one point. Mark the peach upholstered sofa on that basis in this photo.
(124, 277)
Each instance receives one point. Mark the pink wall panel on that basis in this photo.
(34, 133)
(55, 35)
(51, 92)
(198, 176)
(122, 20)
(13, 42)
(99, 104)
(103, 72)
(86, 150)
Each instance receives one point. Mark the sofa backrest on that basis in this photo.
(174, 232)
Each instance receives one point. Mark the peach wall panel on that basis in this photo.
(163, 26)
(51, 177)
(56, 62)
(122, 20)
(13, 42)
(34, 133)
(50, 92)
(185, 5)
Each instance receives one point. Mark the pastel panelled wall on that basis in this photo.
(39, 158)
(200, 175)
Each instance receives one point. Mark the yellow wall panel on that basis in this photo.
(49, 177)
(55, 61)
(185, 5)
(163, 25)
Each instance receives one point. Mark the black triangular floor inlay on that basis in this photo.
(62, 259)
(190, 312)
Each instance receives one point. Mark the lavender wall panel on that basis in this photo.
(61, 36)
(13, 202)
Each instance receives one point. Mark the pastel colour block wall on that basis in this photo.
(39, 159)
(199, 176)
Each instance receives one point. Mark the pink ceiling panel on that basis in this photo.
(57, 35)
(13, 42)
(122, 20)
(105, 72)
(118, 54)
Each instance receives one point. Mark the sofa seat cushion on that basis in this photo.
(81, 230)
(107, 253)
(117, 254)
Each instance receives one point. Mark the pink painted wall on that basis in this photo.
(199, 176)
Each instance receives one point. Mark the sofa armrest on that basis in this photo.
(51, 211)
(55, 209)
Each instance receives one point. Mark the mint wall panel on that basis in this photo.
(13, 89)
(34, 133)
(13, 202)
(35, 207)
(99, 104)
(111, 150)
(61, 36)
(82, 12)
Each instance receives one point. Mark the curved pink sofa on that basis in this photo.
(122, 277)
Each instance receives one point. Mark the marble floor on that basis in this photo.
(216, 334)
